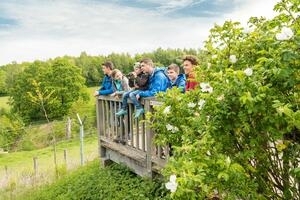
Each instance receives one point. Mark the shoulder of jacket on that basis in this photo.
(160, 70)
(181, 75)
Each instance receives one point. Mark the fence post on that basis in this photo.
(68, 128)
(65, 157)
(81, 138)
(35, 166)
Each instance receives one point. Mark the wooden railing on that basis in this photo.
(127, 140)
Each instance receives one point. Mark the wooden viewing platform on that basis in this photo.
(127, 140)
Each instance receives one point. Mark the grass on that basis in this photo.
(17, 168)
(19, 161)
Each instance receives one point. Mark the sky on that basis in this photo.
(42, 29)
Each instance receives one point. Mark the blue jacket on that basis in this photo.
(158, 82)
(106, 87)
(179, 82)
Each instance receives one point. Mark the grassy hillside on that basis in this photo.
(93, 182)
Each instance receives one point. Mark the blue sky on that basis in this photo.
(42, 29)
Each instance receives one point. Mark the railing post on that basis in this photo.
(149, 136)
(100, 124)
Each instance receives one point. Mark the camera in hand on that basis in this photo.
(131, 79)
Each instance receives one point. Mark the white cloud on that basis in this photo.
(250, 8)
(56, 28)
(172, 5)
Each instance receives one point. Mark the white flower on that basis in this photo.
(171, 128)
(232, 59)
(175, 129)
(214, 56)
(285, 34)
(205, 87)
(173, 178)
(208, 153)
(248, 71)
(167, 110)
(207, 118)
(280, 36)
(191, 105)
(221, 97)
(172, 185)
(201, 103)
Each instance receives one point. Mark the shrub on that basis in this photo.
(94, 182)
(237, 137)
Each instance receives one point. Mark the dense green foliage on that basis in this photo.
(9, 74)
(238, 135)
(93, 182)
(47, 89)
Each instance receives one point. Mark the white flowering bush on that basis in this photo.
(172, 184)
(238, 135)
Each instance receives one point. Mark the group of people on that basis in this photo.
(146, 81)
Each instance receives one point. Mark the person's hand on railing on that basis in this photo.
(117, 95)
(137, 96)
(96, 93)
(113, 94)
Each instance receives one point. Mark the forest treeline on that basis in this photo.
(90, 66)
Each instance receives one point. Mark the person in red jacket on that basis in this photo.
(189, 64)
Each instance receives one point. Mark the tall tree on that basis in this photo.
(61, 78)
(19, 98)
(67, 84)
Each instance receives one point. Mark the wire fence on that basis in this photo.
(45, 167)
(65, 129)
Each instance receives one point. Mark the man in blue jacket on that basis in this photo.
(106, 87)
(158, 82)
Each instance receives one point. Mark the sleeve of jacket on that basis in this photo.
(107, 87)
(158, 83)
(181, 82)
